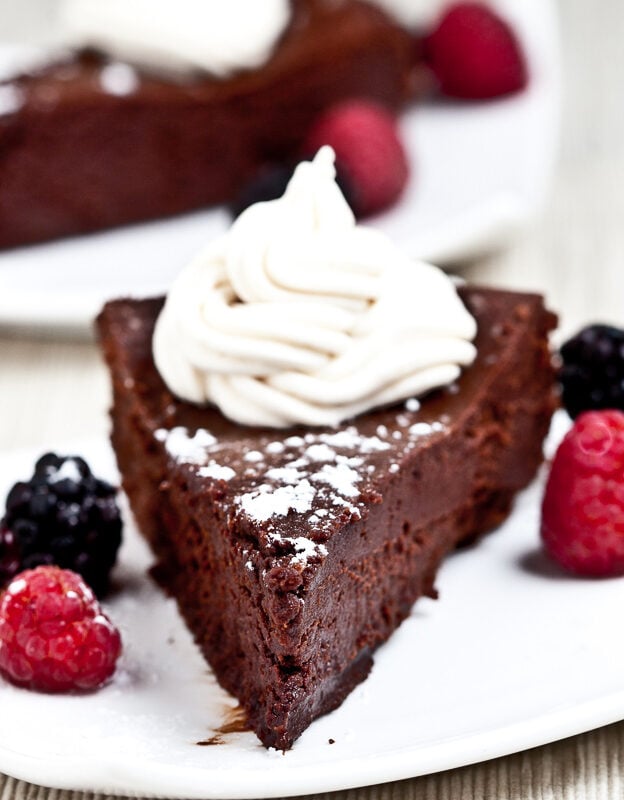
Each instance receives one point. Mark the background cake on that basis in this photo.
(114, 141)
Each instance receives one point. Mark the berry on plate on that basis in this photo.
(475, 55)
(268, 184)
(583, 506)
(63, 515)
(592, 375)
(369, 153)
(53, 634)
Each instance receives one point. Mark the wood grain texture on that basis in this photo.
(575, 254)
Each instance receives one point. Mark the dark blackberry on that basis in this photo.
(270, 184)
(63, 515)
(592, 374)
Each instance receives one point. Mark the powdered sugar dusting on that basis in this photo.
(185, 448)
(351, 439)
(216, 471)
(425, 428)
(320, 477)
(268, 501)
(320, 452)
(289, 474)
(304, 548)
(341, 478)
(275, 447)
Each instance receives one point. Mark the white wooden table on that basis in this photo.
(52, 391)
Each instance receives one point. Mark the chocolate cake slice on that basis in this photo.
(87, 143)
(294, 554)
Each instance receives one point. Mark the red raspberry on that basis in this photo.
(53, 634)
(583, 508)
(475, 55)
(369, 152)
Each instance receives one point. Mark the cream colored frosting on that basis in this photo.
(299, 315)
(181, 36)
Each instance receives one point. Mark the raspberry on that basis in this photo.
(270, 184)
(369, 152)
(53, 634)
(63, 515)
(474, 54)
(592, 375)
(583, 507)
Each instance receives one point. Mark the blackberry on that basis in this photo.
(65, 516)
(270, 184)
(592, 375)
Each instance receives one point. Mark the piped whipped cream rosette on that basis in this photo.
(298, 315)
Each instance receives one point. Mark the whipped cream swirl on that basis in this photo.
(182, 36)
(299, 316)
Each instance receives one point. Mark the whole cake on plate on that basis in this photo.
(305, 427)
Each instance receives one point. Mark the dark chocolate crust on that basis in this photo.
(75, 158)
(290, 634)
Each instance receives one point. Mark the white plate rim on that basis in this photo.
(122, 777)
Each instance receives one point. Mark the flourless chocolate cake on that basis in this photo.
(293, 554)
(84, 148)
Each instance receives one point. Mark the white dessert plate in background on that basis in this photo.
(514, 654)
(480, 172)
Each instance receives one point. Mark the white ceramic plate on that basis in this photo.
(513, 655)
(480, 172)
